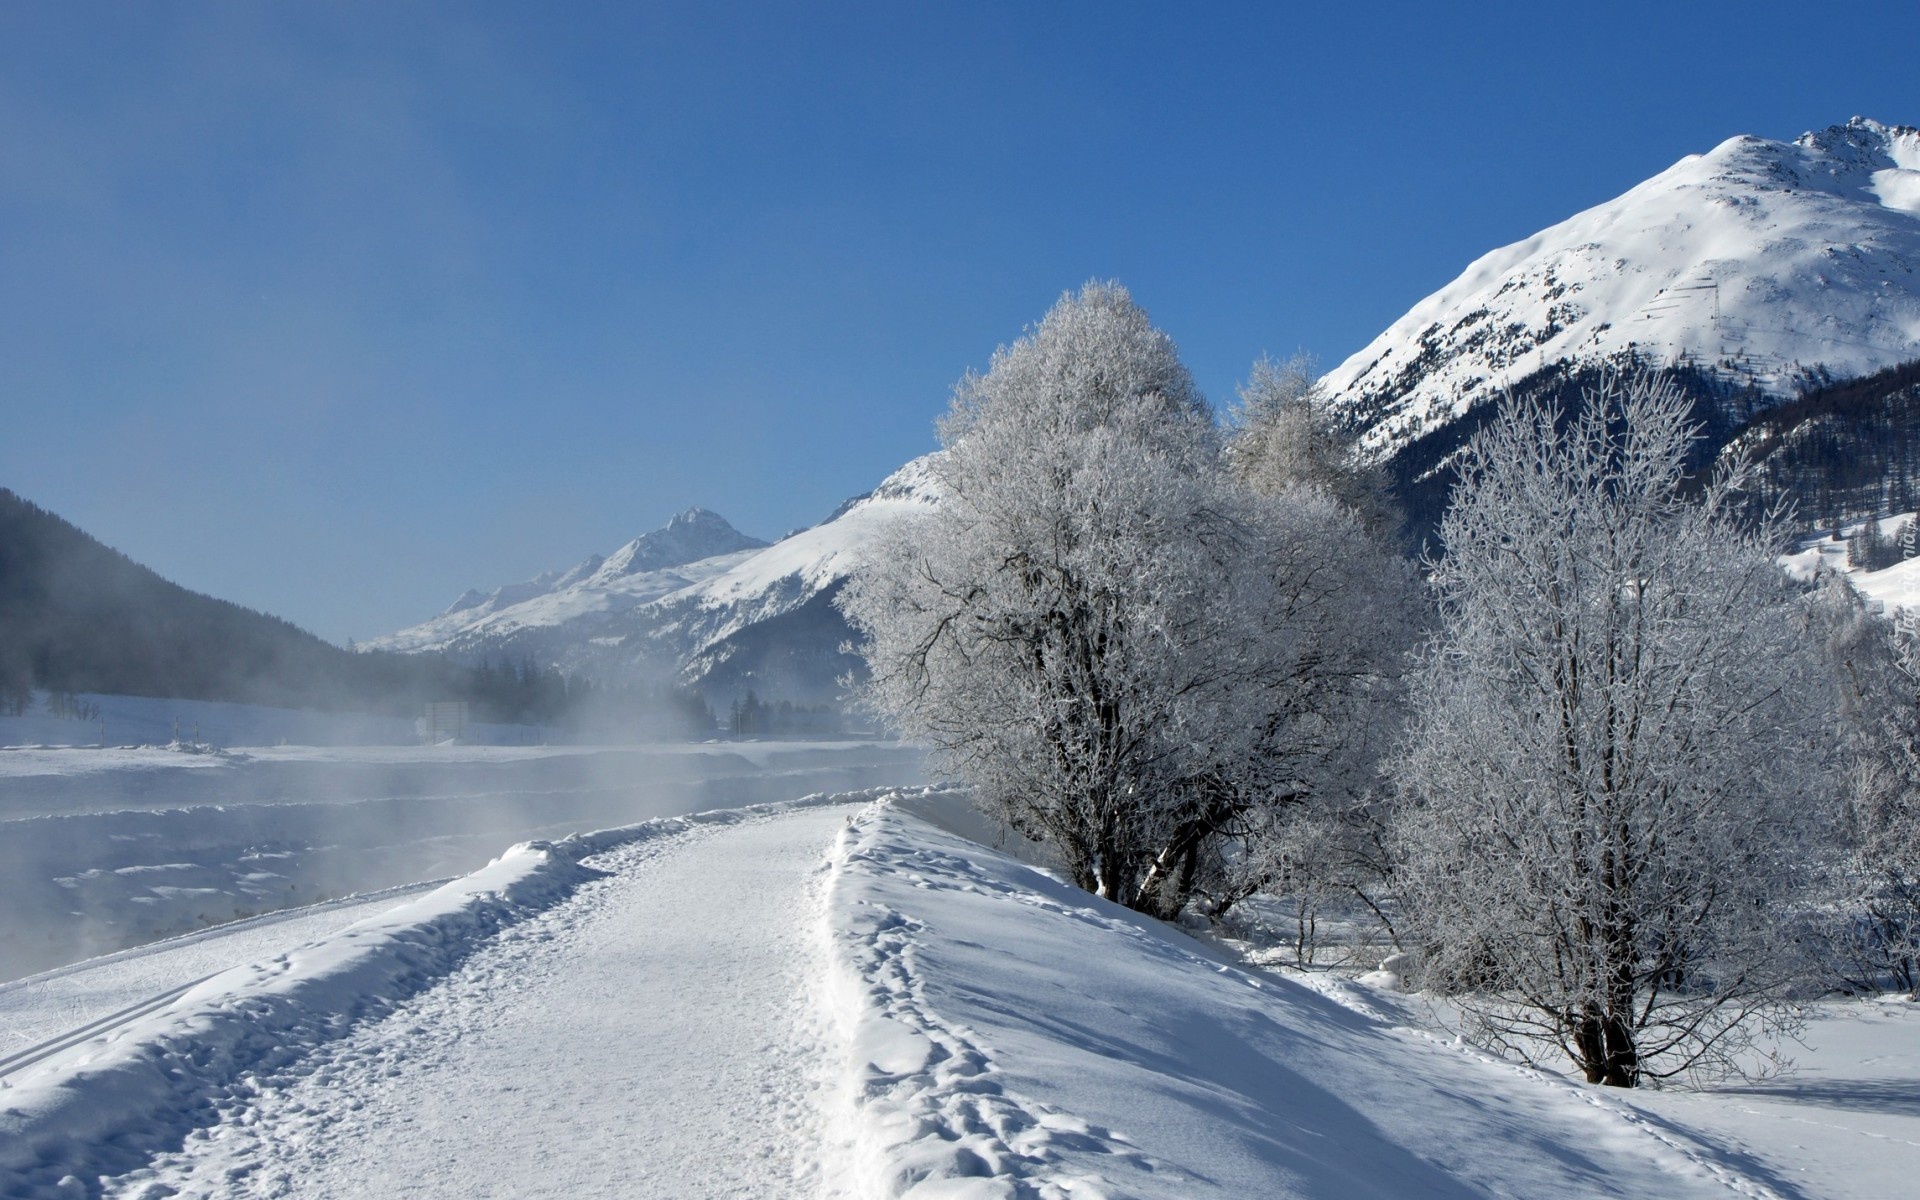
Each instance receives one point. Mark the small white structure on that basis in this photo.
(442, 721)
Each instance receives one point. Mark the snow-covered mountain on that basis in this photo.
(635, 572)
(1770, 265)
(696, 602)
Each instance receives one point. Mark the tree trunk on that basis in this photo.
(1590, 1044)
(1621, 1066)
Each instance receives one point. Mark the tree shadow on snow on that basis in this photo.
(1890, 1097)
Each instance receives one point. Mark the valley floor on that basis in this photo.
(845, 996)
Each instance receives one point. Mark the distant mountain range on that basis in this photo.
(693, 536)
(1779, 283)
(695, 603)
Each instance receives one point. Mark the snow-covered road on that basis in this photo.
(650, 1037)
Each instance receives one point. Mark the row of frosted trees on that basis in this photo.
(1598, 766)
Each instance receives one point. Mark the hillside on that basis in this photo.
(76, 616)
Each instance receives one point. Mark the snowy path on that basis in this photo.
(651, 1037)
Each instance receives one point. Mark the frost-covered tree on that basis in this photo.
(1876, 940)
(1286, 434)
(1286, 438)
(1128, 654)
(1613, 775)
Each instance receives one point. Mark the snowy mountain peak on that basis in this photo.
(471, 598)
(585, 570)
(695, 601)
(1766, 262)
(1863, 145)
(689, 537)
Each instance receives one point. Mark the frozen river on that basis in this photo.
(106, 849)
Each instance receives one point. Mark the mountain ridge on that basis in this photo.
(721, 622)
(77, 615)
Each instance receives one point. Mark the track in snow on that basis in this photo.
(103, 992)
(654, 1036)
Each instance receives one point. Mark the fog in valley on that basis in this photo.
(103, 849)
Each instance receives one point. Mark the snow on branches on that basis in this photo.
(1613, 778)
(1128, 653)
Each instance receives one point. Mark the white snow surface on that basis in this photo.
(1760, 259)
(1013, 1036)
(46, 1005)
(846, 996)
(1844, 1126)
(1894, 587)
(447, 1046)
(829, 551)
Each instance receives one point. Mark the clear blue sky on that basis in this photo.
(336, 310)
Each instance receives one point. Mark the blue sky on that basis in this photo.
(336, 310)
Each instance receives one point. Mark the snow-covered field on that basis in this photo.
(844, 996)
(1894, 587)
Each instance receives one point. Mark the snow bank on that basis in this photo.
(105, 1103)
(1011, 1036)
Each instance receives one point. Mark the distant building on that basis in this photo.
(442, 721)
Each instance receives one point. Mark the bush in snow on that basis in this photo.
(1130, 655)
(1612, 780)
